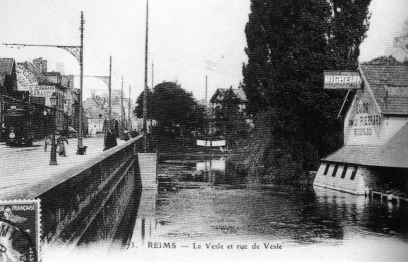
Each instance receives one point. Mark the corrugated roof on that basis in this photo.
(389, 85)
(393, 154)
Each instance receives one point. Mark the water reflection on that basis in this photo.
(212, 200)
(145, 220)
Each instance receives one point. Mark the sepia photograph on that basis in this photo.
(214, 130)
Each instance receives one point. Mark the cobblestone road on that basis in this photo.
(22, 166)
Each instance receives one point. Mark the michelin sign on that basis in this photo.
(342, 80)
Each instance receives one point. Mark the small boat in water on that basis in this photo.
(211, 143)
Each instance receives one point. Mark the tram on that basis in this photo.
(19, 128)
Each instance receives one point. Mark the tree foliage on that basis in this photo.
(172, 107)
(401, 41)
(384, 61)
(289, 45)
(229, 121)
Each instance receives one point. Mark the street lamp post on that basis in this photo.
(100, 119)
(53, 158)
(77, 52)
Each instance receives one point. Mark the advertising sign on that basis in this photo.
(342, 80)
(26, 81)
(46, 92)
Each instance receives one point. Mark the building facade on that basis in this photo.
(217, 99)
(28, 86)
(375, 151)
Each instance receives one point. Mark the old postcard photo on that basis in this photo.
(215, 130)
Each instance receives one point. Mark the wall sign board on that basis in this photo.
(342, 80)
(26, 81)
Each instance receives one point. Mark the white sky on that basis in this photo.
(188, 39)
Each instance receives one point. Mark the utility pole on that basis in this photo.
(122, 118)
(145, 82)
(206, 90)
(152, 75)
(110, 90)
(129, 112)
(78, 53)
(81, 63)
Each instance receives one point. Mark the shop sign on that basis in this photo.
(342, 80)
(26, 81)
(37, 100)
(46, 92)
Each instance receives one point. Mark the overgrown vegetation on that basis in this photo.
(289, 45)
(174, 110)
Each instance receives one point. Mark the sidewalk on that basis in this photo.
(21, 167)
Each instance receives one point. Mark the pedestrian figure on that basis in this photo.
(61, 144)
(110, 140)
(134, 133)
(47, 141)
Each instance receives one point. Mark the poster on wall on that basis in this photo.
(26, 81)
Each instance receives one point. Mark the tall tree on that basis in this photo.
(290, 44)
(138, 111)
(401, 41)
(348, 24)
(172, 107)
(228, 118)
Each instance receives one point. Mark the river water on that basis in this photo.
(230, 208)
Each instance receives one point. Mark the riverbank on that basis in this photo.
(245, 157)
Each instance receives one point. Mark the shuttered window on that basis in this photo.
(353, 175)
(336, 166)
(326, 169)
(343, 174)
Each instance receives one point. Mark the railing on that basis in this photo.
(89, 206)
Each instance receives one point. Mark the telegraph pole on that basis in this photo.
(110, 90)
(122, 119)
(81, 63)
(206, 90)
(152, 75)
(78, 53)
(129, 112)
(145, 82)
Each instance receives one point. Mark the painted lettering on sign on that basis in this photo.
(346, 80)
(26, 81)
(341, 80)
(365, 120)
(367, 131)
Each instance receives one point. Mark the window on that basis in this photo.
(326, 169)
(336, 166)
(343, 174)
(353, 175)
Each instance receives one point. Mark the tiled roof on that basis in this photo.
(393, 154)
(6, 67)
(36, 72)
(2, 77)
(67, 81)
(389, 85)
(237, 91)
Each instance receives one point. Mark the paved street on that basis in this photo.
(23, 167)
